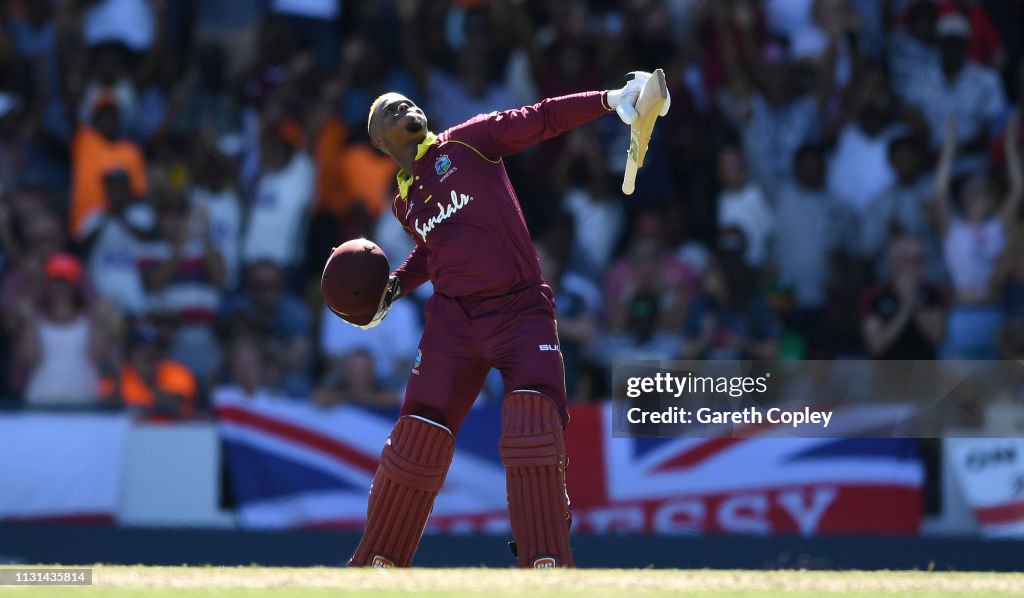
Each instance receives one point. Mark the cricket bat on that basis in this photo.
(648, 105)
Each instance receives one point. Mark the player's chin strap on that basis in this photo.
(533, 451)
(412, 469)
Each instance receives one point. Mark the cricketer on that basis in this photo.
(490, 309)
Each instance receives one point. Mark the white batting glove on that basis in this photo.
(623, 100)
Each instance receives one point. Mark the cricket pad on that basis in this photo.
(412, 469)
(533, 452)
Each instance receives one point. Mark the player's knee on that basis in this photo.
(553, 392)
(531, 430)
(418, 453)
(430, 413)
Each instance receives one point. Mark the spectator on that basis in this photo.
(350, 381)
(61, 344)
(129, 22)
(215, 192)
(247, 365)
(269, 310)
(96, 151)
(184, 274)
(578, 309)
(859, 168)
(109, 78)
(741, 204)
(391, 344)
(954, 88)
(730, 319)
(472, 89)
(973, 238)
(832, 22)
(986, 46)
(37, 42)
(912, 47)
(812, 225)
(355, 182)
(646, 297)
(233, 25)
(314, 25)
(149, 381)
(114, 239)
(277, 216)
(205, 101)
(765, 102)
(904, 317)
(902, 209)
(589, 196)
(23, 276)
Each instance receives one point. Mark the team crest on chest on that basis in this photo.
(442, 164)
(443, 167)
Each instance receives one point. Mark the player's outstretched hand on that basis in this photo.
(391, 292)
(623, 100)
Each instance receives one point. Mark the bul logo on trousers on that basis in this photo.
(544, 562)
(548, 347)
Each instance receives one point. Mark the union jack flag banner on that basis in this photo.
(293, 465)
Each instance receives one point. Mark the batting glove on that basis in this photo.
(623, 100)
(391, 292)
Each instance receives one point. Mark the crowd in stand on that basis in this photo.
(836, 179)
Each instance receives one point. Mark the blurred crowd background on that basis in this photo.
(836, 179)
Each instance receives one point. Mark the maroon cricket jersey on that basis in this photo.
(459, 206)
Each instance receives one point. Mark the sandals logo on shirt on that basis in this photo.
(444, 212)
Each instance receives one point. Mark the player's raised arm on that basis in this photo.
(505, 133)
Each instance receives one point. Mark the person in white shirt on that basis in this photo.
(973, 238)
(859, 168)
(277, 217)
(114, 239)
(742, 204)
(591, 197)
(59, 342)
(215, 192)
(247, 375)
(392, 344)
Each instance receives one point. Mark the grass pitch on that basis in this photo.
(592, 583)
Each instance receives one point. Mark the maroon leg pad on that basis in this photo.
(412, 468)
(533, 452)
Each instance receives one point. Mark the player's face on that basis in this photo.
(398, 121)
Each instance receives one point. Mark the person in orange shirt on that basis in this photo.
(96, 150)
(159, 386)
(351, 173)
